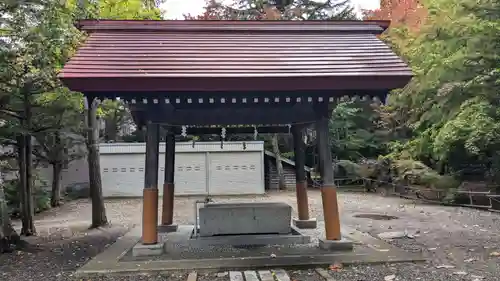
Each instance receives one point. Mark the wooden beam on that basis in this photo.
(168, 186)
(231, 116)
(328, 189)
(150, 193)
(300, 173)
(198, 131)
(195, 96)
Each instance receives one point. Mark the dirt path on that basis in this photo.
(464, 240)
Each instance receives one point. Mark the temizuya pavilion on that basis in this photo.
(208, 76)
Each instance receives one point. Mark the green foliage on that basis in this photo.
(37, 37)
(127, 9)
(115, 114)
(349, 169)
(354, 133)
(451, 106)
(407, 172)
(272, 10)
(41, 197)
(417, 173)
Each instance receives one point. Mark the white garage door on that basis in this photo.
(190, 173)
(122, 174)
(228, 173)
(236, 173)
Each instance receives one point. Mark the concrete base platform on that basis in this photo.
(183, 238)
(119, 258)
(293, 238)
(305, 224)
(336, 245)
(167, 228)
(141, 250)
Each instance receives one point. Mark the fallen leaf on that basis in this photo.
(495, 254)
(445, 266)
(390, 277)
(336, 267)
(392, 235)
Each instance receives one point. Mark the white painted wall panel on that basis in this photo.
(122, 174)
(122, 169)
(190, 174)
(77, 172)
(236, 173)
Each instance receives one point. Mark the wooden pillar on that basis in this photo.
(168, 185)
(328, 189)
(300, 173)
(150, 194)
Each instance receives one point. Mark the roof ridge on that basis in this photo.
(351, 26)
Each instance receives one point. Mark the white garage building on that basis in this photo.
(204, 168)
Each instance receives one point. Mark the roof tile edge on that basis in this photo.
(349, 26)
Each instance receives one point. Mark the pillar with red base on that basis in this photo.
(167, 218)
(150, 193)
(333, 238)
(303, 221)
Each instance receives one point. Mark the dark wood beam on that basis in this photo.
(233, 130)
(328, 189)
(300, 173)
(150, 194)
(169, 187)
(195, 95)
(232, 116)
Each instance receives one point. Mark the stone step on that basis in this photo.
(324, 274)
(235, 276)
(281, 275)
(193, 276)
(251, 275)
(261, 275)
(266, 275)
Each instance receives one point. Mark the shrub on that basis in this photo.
(41, 196)
(417, 173)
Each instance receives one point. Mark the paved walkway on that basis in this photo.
(461, 244)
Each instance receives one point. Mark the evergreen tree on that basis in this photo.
(286, 10)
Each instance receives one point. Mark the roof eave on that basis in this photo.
(129, 85)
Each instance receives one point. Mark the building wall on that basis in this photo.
(76, 174)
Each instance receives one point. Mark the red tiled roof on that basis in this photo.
(233, 56)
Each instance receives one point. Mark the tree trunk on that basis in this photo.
(25, 193)
(29, 189)
(8, 236)
(21, 163)
(279, 164)
(28, 206)
(57, 166)
(98, 208)
(55, 198)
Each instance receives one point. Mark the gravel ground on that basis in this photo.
(464, 240)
